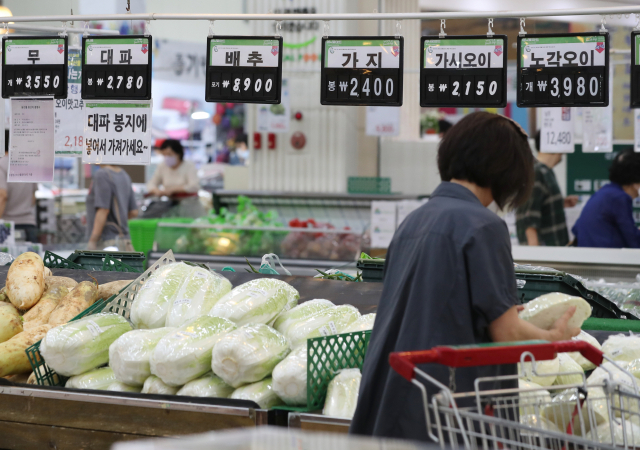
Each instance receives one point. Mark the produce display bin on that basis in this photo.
(614, 325)
(53, 261)
(534, 283)
(143, 231)
(372, 269)
(95, 260)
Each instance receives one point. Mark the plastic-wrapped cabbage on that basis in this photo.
(185, 354)
(301, 312)
(532, 401)
(535, 421)
(79, 346)
(634, 368)
(257, 301)
(598, 404)
(560, 410)
(248, 354)
(325, 323)
(342, 394)
(260, 392)
(154, 385)
(546, 309)
(631, 430)
(546, 371)
(362, 324)
(290, 378)
(150, 307)
(572, 370)
(625, 383)
(121, 387)
(199, 292)
(98, 379)
(577, 357)
(129, 355)
(207, 385)
(622, 348)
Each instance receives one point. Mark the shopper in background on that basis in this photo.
(449, 276)
(541, 220)
(174, 176)
(443, 127)
(110, 205)
(607, 218)
(17, 200)
(241, 150)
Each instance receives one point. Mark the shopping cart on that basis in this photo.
(602, 415)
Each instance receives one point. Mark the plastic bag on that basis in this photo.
(154, 385)
(342, 394)
(290, 378)
(208, 385)
(261, 392)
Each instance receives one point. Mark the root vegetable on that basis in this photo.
(42, 370)
(3, 295)
(10, 323)
(13, 359)
(20, 378)
(39, 314)
(25, 280)
(51, 282)
(108, 289)
(47, 272)
(76, 301)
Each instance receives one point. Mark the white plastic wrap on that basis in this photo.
(207, 385)
(532, 401)
(545, 310)
(150, 307)
(79, 346)
(261, 392)
(324, 323)
(199, 292)
(577, 357)
(248, 354)
(621, 347)
(624, 381)
(560, 410)
(546, 371)
(632, 431)
(301, 312)
(154, 385)
(98, 379)
(257, 301)
(129, 355)
(185, 354)
(363, 323)
(342, 394)
(535, 421)
(290, 378)
(121, 387)
(570, 371)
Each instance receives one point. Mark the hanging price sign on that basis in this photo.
(363, 71)
(34, 66)
(463, 71)
(563, 70)
(635, 69)
(116, 67)
(244, 69)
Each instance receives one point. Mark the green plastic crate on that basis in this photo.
(95, 260)
(165, 237)
(328, 355)
(372, 269)
(369, 185)
(53, 261)
(143, 231)
(113, 265)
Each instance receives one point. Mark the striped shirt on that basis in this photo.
(544, 210)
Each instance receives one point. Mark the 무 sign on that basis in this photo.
(34, 66)
(362, 71)
(563, 70)
(469, 71)
(244, 69)
(116, 67)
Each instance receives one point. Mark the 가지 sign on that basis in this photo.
(34, 66)
(116, 67)
(463, 71)
(117, 133)
(563, 70)
(362, 71)
(244, 69)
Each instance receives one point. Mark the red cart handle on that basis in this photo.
(490, 354)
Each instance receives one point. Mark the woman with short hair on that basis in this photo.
(449, 277)
(174, 175)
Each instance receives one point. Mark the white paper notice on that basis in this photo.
(275, 118)
(556, 133)
(383, 223)
(69, 112)
(382, 121)
(31, 156)
(117, 132)
(636, 147)
(597, 130)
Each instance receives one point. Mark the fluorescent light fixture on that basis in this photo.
(199, 115)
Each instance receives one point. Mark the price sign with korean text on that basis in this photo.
(116, 67)
(362, 71)
(117, 133)
(563, 70)
(635, 69)
(69, 112)
(244, 69)
(463, 71)
(34, 66)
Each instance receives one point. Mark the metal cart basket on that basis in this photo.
(604, 414)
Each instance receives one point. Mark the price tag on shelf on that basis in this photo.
(563, 70)
(463, 71)
(556, 132)
(244, 69)
(116, 67)
(364, 71)
(34, 66)
(69, 112)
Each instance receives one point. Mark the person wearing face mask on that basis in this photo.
(607, 218)
(174, 177)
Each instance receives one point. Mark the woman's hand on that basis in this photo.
(509, 327)
(560, 330)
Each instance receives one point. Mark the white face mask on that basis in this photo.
(170, 161)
